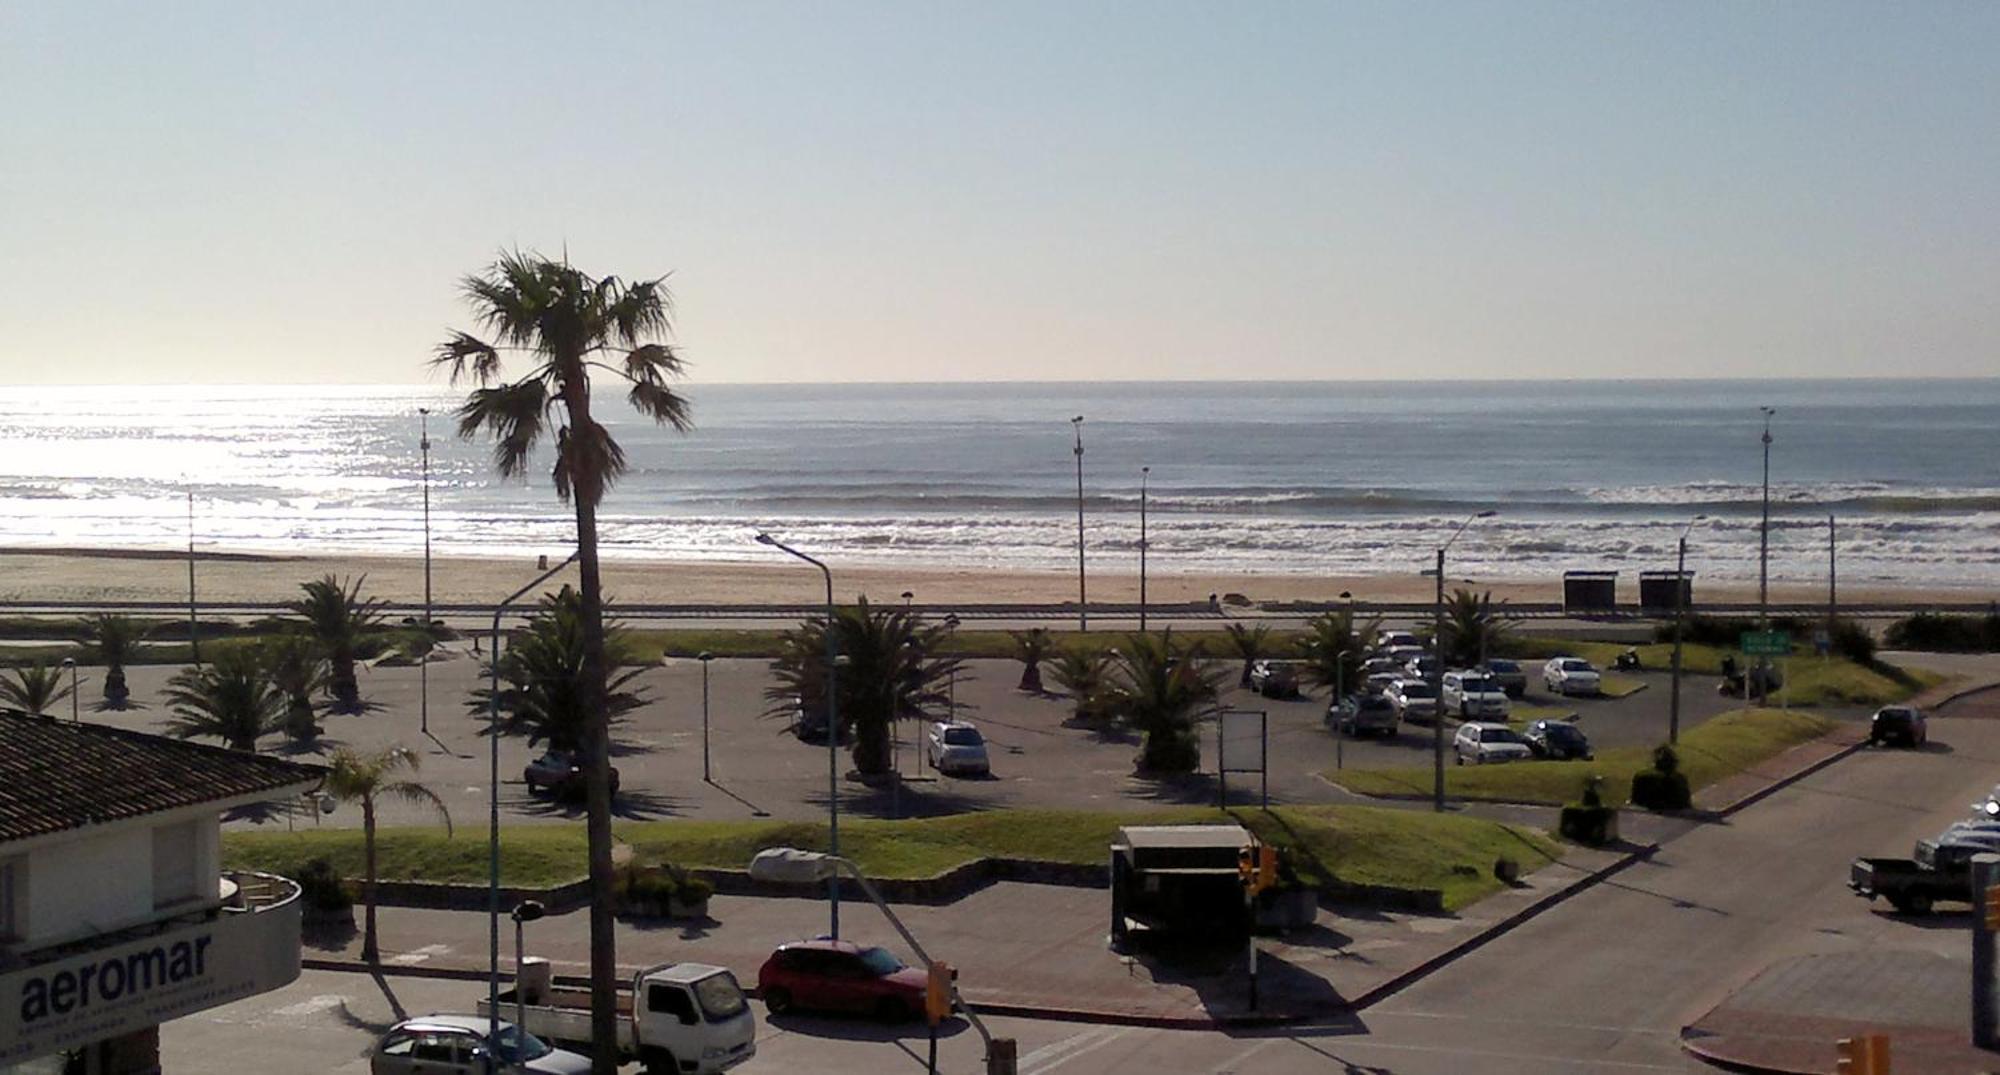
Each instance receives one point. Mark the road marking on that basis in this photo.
(1052, 1056)
(1515, 1022)
(316, 1004)
(418, 955)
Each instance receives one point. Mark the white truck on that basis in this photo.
(677, 1019)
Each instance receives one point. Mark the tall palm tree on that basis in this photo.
(336, 615)
(1031, 648)
(1472, 628)
(1252, 644)
(542, 694)
(1333, 647)
(1164, 690)
(888, 670)
(1081, 673)
(568, 323)
(34, 689)
(298, 670)
(364, 779)
(111, 639)
(231, 698)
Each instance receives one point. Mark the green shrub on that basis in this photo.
(1655, 790)
(1952, 634)
(1854, 642)
(1594, 826)
(1170, 752)
(320, 888)
(1726, 632)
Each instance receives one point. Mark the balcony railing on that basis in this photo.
(249, 892)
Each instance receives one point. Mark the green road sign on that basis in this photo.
(1767, 643)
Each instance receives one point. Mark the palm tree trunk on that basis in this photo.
(597, 771)
(369, 952)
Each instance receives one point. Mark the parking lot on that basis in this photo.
(759, 769)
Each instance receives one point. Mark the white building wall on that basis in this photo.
(96, 884)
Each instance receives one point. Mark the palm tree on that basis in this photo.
(1333, 647)
(231, 698)
(1081, 673)
(1164, 690)
(887, 671)
(1031, 648)
(34, 689)
(365, 778)
(1472, 630)
(568, 323)
(1250, 643)
(336, 614)
(543, 692)
(298, 670)
(111, 639)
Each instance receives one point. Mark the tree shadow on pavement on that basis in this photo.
(626, 806)
(396, 1010)
(928, 799)
(755, 810)
(1219, 975)
(1187, 789)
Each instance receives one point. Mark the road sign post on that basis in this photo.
(1766, 643)
(1985, 1015)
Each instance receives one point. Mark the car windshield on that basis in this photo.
(1895, 714)
(879, 962)
(516, 1045)
(1577, 666)
(1417, 690)
(1498, 735)
(719, 996)
(1474, 685)
(962, 737)
(1503, 666)
(1562, 732)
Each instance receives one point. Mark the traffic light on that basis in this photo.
(1865, 1055)
(937, 993)
(1990, 908)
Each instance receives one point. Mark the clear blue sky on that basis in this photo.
(927, 191)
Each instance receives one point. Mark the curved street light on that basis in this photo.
(1680, 610)
(832, 730)
(1437, 660)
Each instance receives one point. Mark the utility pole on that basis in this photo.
(194, 634)
(1832, 579)
(424, 665)
(1082, 600)
(1144, 473)
(1764, 565)
(1680, 613)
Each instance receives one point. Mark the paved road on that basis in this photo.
(758, 768)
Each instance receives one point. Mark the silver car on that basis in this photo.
(458, 1045)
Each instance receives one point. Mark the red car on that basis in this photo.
(843, 977)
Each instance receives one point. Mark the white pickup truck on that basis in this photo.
(688, 1019)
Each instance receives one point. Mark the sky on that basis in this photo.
(290, 192)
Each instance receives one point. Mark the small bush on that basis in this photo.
(1726, 632)
(1951, 634)
(1594, 826)
(1853, 641)
(320, 888)
(1170, 752)
(1655, 790)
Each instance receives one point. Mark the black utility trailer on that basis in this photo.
(1941, 871)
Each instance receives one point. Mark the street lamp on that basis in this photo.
(525, 912)
(424, 665)
(1144, 473)
(1680, 611)
(1082, 601)
(194, 635)
(704, 657)
(832, 730)
(493, 803)
(1764, 560)
(1437, 672)
(70, 663)
(908, 596)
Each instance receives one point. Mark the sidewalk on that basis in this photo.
(1020, 949)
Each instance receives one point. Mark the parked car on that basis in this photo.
(1363, 714)
(1421, 666)
(809, 724)
(1511, 677)
(560, 772)
(1275, 679)
(1940, 870)
(955, 746)
(458, 1045)
(1374, 665)
(1388, 640)
(1557, 740)
(1571, 675)
(1379, 682)
(839, 976)
(1473, 695)
(1903, 724)
(1414, 700)
(1404, 653)
(1482, 743)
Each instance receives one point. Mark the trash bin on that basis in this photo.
(537, 978)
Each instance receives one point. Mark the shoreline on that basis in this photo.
(67, 574)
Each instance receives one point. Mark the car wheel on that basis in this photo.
(891, 1010)
(659, 1061)
(777, 1000)
(1920, 904)
(533, 788)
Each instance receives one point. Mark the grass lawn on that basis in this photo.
(1528, 714)
(1355, 844)
(1726, 745)
(1613, 685)
(1815, 680)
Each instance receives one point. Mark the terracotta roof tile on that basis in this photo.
(55, 775)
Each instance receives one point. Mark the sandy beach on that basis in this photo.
(81, 575)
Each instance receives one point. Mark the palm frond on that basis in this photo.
(464, 351)
(418, 795)
(514, 414)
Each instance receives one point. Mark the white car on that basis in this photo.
(1413, 699)
(1483, 743)
(1473, 696)
(956, 747)
(1571, 675)
(1388, 640)
(458, 1045)
(1422, 666)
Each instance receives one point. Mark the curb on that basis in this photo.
(1689, 1046)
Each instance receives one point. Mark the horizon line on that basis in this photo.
(1810, 379)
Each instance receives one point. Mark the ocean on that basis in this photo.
(1286, 478)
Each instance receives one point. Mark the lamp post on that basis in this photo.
(194, 635)
(908, 596)
(525, 912)
(1437, 671)
(1082, 600)
(832, 731)
(70, 663)
(1680, 611)
(493, 805)
(1764, 561)
(1832, 579)
(704, 658)
(424, 665)
(1144, 473)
